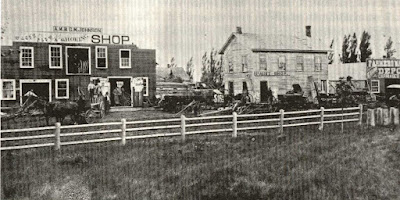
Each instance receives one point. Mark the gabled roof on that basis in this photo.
(283, 43)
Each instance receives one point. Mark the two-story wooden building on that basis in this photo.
(59, 66)
(255, 62)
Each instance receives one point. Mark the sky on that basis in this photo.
(188, 28)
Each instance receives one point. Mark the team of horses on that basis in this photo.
(59, 110)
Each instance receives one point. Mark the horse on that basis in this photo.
(57, 109)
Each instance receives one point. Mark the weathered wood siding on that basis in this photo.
(279, 84)
(143, 64)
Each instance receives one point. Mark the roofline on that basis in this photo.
(222, 51)
(291, 50)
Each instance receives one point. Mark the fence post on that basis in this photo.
(321, 126)
(396, 120)
(123, 132)
(361, 114)
(371, 117)
(57, 143)
(183, 127)
(386, 120)
(282, 115)
(234, 126)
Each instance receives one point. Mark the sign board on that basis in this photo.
(73, 37)
(264, 73)
(383, 68)
(76, 29)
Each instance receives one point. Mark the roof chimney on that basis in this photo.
(239, 30)
(308, 31)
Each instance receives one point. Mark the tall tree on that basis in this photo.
(172, 63)
(190, 69)
(331, 54)
(345, 49)
(365, 51)
(389, 48)
(353, 49)
(212, 69)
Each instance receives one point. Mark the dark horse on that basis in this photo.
(57, 109)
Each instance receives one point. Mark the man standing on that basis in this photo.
(91, 88)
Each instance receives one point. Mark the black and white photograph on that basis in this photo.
(200, 99)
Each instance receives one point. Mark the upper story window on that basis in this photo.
(62, 88)
(78, 60)
(375, 86)
(124, 58)
(55, 57)
(282, 63)
(300, 63)
(26, 57)
(318, 63)
(230, 67)
(8, 89)
(101, 57)
(263, 62)
(244, 63)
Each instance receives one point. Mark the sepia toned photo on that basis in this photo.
(200, 99)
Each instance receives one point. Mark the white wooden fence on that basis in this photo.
(55, 136)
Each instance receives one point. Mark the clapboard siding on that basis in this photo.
(143, 64)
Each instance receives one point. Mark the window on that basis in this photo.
(318, 63)
(62, 88)
(244, 63)
(78, 60)
(8, 89)
(263, 62)
(124, 58)
(300, 63)
(101, 57)
(145, 86)
(26, 57)
(55, 57)
(323, 86)
(282, 63)
(375, 86)
(245, 90)
(230, 67)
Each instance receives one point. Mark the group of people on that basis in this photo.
(95, 90)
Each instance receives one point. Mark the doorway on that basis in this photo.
(41, 88)
(121, 92)
(264, 91)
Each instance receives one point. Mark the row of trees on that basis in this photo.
(350, 54)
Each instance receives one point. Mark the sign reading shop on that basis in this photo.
(66, 34)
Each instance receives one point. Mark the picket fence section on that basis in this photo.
(123, 130)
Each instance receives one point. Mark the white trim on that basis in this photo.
(14, 89)
(61, 57)
(130, 59)
(21, 81)
(379, 85)
(147, 86)
(106, 52)
(130, 82)
(56, 91)
(20, 57)
(66, 59)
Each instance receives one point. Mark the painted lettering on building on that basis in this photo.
(264, 73)
(388, 72)
(76, 29)
(110, 39)
(383, 68)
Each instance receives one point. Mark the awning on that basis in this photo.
(394, 86)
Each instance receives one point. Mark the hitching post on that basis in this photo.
(183, 127)
(321, 127)
(123, 132)
(57, 143)
(234, 125)
(282, 115)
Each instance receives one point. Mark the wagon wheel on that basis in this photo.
(90, 116)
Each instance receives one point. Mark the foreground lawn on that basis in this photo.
(300, 164)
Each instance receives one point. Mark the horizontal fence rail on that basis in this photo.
(58, 136)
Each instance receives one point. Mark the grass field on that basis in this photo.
(300, 164)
